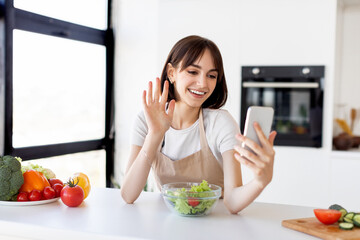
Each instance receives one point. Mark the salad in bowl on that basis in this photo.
(191, 198)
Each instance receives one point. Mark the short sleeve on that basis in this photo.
(140, 130)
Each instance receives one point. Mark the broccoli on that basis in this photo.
(11, 177)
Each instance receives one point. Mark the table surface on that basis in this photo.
(104, 215)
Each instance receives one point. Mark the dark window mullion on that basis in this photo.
(110, 109)
(110, 100)
(9, 26)
(33, 22)
(36, 152)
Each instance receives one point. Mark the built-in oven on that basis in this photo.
(295, 93)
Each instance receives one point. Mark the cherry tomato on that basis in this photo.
(58, 187)
(22, 197)
(72, 195)
(327, 216)
(52, 181)
(42, 196)
(35, 195)
(84, 182)
(33, 180)
(193, 202)
(49, 193)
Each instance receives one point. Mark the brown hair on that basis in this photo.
(188, 50)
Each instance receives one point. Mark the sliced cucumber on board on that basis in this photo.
(341, 209)
(346, 226)
(356, 220)
(349, 217)
(347, 220)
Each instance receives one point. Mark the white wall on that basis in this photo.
(136, 30)
(248, 32)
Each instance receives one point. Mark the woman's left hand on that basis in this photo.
(261, 160)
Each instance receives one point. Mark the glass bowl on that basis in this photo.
(183, 201)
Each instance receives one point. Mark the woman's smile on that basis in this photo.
(197, 93)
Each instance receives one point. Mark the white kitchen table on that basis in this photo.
(104, 215)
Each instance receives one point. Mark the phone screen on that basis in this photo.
(263, 116)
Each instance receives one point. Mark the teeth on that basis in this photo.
(197, 92)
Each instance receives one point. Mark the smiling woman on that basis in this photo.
(183, 136)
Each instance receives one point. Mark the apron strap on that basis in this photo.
(203, 140)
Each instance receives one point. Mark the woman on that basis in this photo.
(183, 135)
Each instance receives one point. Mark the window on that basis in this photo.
(57, 87)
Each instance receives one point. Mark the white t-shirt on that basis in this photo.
(220, 129)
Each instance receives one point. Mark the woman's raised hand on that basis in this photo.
(158, 120)
(261, 160)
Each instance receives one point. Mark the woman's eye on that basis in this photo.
(192, 72)
(212, 76)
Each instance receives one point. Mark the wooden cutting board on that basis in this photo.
(315, 228)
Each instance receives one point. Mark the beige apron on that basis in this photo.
(201, 165)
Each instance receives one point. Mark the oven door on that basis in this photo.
(298, 110)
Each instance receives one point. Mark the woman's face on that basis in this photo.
(196, 83)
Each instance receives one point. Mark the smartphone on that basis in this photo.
(263, 116)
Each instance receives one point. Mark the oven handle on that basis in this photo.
(280, 85)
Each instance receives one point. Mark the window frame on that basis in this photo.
(15, 18)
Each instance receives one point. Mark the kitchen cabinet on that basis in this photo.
(347, 62)
(104, 215)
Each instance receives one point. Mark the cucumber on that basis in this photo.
(336, 207)
(356, 219)
(346, 226)
(349, 217)
(343, 213)
(341, 209)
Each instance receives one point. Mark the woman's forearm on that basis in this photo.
(240, 197)
(137, 174)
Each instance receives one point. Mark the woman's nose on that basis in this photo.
(202, 81)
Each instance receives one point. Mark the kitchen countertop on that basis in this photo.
(104, 215)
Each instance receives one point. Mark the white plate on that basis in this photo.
(28, 203)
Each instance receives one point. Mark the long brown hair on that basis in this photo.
(187, 51)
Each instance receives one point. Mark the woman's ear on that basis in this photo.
(170, 72)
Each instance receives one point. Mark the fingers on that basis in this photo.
(262, 174)
(157, 90)
(272, 137)
(250, 144)
(265, 142)
(260, 134)
(149, 96)
(245, 162)
(259, 159)
(165, 92)
(258, 155)
(248, 155)
(253, 162)
(171, 108)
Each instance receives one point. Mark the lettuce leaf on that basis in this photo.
(182, 206)
(46, 171)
